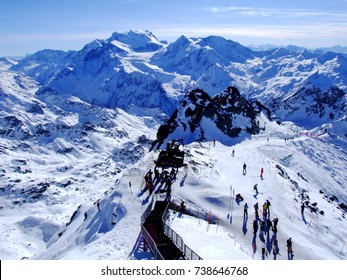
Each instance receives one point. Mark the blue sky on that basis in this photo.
(27, 26)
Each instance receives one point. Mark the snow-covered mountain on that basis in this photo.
(136, 69)
(76, 140)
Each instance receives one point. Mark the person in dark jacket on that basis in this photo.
(255, 226)
(244, 169)
(275, 222)
(245, 211)
(290, 248)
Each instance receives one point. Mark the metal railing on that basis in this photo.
(197, 213)
(177, 240)
(151, 244)
(146, 236)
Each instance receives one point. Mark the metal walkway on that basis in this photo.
(160, 244)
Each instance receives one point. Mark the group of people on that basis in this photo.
(264, 225)
(164, 177)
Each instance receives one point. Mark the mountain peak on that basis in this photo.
(138, 41)
(226, 116)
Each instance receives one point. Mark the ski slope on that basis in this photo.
(314, 236)
(107, 226)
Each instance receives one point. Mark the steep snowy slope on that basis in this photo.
(294, 170)
(57, 152)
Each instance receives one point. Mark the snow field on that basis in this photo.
(209, 187)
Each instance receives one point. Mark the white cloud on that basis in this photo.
(283, 13)
(314, 35)
(214, 10)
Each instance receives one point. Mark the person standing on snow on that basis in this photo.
(244, 169)
(265, 210)
(245, 211)
(268, 207)
(182, 207)
(256, 209)
(261, 172)
(275, 222)
(290, 248)
(255, 226)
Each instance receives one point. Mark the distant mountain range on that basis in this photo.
(136, 70)
(264, 47)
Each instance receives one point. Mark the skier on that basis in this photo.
(244, 168)
(256, 189)
(239, 198)
(245, 211)
(290, 248)
(233, 153)
(261, 172)
(302, 209)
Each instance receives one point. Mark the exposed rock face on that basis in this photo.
(199, 115)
